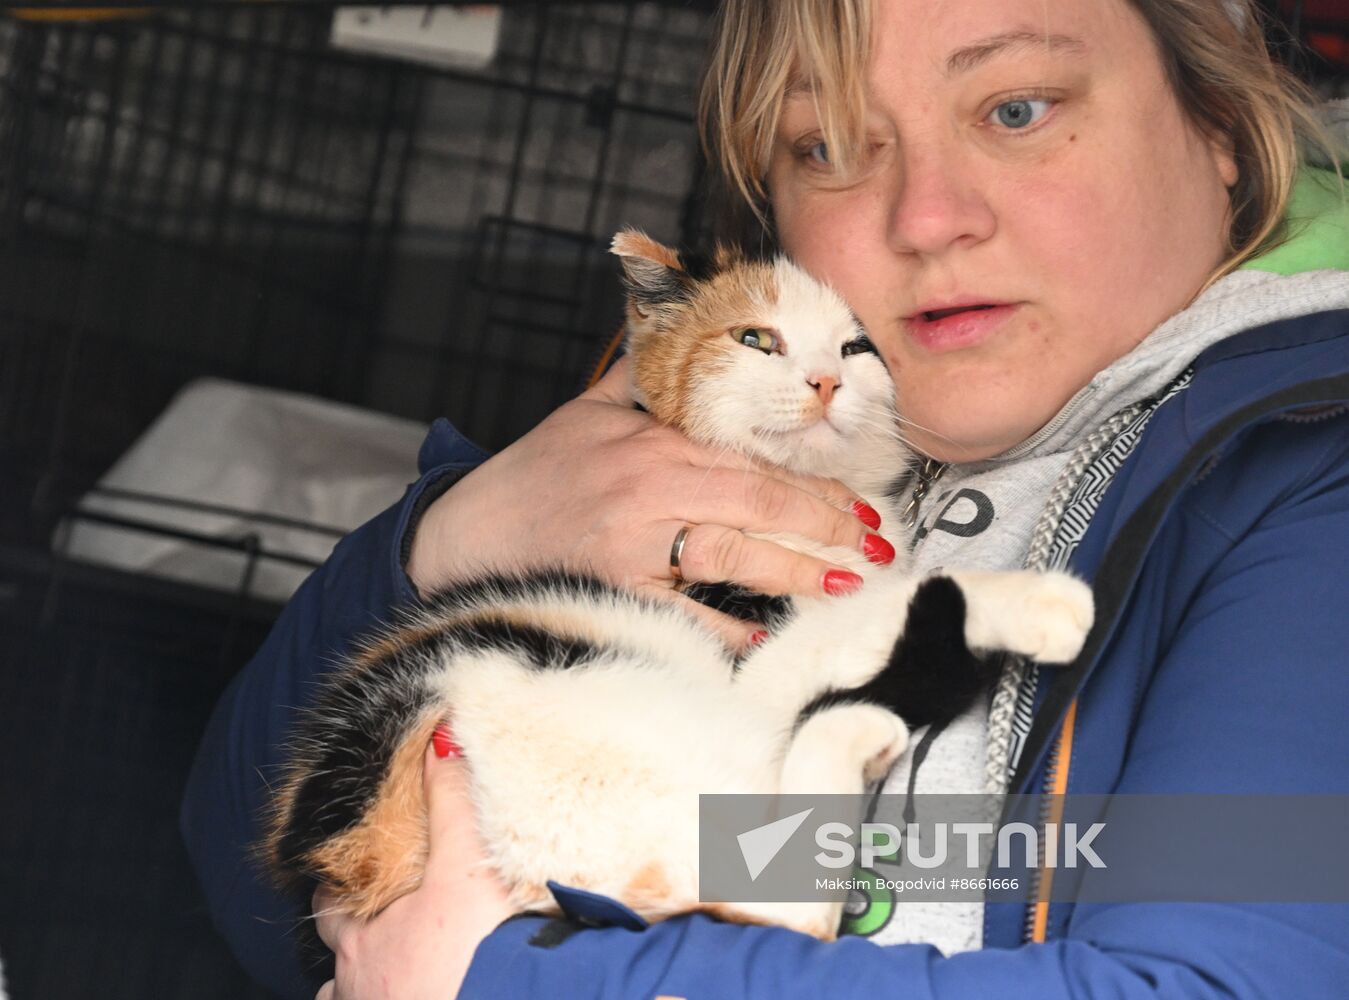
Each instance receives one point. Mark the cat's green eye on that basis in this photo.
(760, 340)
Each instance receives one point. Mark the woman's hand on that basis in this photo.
(604, 488)
(420, 946)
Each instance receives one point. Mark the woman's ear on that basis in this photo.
(1222, 149)
(653, 272)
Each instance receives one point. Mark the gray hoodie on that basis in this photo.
(985, 514)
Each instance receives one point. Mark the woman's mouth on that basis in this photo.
(952, 327)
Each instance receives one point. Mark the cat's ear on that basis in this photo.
(655, 276)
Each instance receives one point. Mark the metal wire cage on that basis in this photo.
(220, 191)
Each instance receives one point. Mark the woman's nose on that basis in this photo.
(934, 206)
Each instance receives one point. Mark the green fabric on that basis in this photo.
(1318, 228)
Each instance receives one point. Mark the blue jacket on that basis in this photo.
(1219, 663)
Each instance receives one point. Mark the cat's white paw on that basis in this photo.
(1045, 616)
(879, 737)
(889, 738)
(842, 749)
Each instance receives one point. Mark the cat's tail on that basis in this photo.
(350, 812)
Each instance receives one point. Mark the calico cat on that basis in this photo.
(592, 718)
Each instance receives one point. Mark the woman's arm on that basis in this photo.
(1250, 696)
(598, 486)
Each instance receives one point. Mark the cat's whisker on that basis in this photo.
(886, 427)
(898, 434)
(928, 430)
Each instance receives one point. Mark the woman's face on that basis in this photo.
(1025, 156)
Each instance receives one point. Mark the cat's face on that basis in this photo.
(762, 358)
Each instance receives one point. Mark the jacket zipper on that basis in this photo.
(1068, 411)
(1032, 907)
(1055, 763)
(928, 474)
(1036, 924)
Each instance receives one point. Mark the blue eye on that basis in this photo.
(1020, 113)
(819, 153)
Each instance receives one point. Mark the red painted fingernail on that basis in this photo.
(444, 743)
(878, 550)
(839, 581)
(759, 637)
(866, 513)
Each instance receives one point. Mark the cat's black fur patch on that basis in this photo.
(358, 725)
(487, 590)
(738, 602)
(697, 265)
(652, 284)
(360, 720)
(543, 649)
(932, 674)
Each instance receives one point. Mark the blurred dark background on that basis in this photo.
(222, 192)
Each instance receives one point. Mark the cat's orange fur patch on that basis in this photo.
(634, 243)
(650, 891)
(388, 645)
(372, 652)
(382, 857)
(533, 896)
(679, 344)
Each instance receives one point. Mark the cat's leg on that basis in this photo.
(956, 622)
(918, 647)
(1045, 616)
(837, 750)
(842, 748)
(829, 644)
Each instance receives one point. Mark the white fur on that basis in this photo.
(763, 405)
(589, 775)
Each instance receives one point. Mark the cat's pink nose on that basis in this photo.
(825, 385)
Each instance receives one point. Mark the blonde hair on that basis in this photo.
(1213, 52)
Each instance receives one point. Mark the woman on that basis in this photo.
(1039, 212)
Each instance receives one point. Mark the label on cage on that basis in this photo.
(464, 37)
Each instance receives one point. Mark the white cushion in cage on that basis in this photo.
(254, 450)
